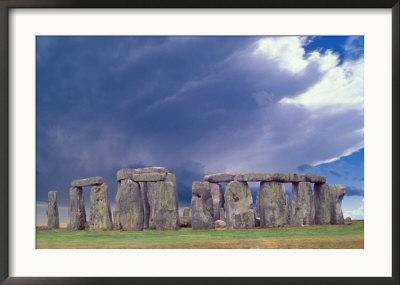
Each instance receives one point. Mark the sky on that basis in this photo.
(198, 105)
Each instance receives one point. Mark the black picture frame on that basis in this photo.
(6, 5)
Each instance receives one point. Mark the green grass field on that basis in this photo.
(324, 236)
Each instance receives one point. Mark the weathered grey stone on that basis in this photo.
(185, 222)
(127, 173)
(202, 206)
(296, 177)
(100, 211)
(165, 205)
(348, 221)
(76, 213)
(222, 214)
(303, 211)
(186, 212)
(239, 206)
(315, 178)
(151, 196)
(52, 211)
(130, 206)
(146, 204)
(115, 220)
(273, 205)
(220, 177)
(322, 204)
(336, 192)
(281, 177)
(149, 177)
(257, 210)
(220, 224)
(254, 177)
(257, 222)
(87, 182)
(217, 195)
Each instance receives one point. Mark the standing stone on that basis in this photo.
(322, 204)
(303, 211)
(217, 195)
(146, 205)
(76, 213)
(273, 205)
(336, 192)
(239, 206)
(100, 211)
(222, 214)
(151, 197)
(52, 211)
(165, 203)
(130, 206)
(186, 211)
(202, 206)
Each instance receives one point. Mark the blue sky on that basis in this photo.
(199, 105)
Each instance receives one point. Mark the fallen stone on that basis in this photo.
(52, 211)
(100, 211)
(315, 178)
(336, 192)
(76, 213)
(348, 221)
(303, 211)
(146, 204)
(202, 206)
(254, 177)
(273, 205)
(87, 182)
(130, 206)
(322, 204)
(165, 204)
(220, 177)
(217, 195)
(127, 173)
(186, 212)
(239, 206)
(185, 222)
(219, 224)
(149, 177)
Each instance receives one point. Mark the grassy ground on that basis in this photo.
(326, 236)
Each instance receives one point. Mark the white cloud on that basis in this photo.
(357, 213)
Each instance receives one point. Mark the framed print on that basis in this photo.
(143, 144)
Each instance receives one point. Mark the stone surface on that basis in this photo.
(115, 219)
(303, 211)
(273, 205)
(202, 206)
(149, 177)
(76, 213)
(222, 214)
(254, 177)
(186, 212)
(151, 196)
(348, 221)
(52, 211)
(100, 211)
(185, 222)
(146, 204)
(217, 195)
(130, 206)
(220, 224)
(315, 178)
(239, 206)
(322, 204)
(220, 177)
(257, 222)
(281, 177)
(296, 177)
(336, 193)
(87, 182)
(163, 206)
(127, 173)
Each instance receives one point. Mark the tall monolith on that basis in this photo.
(100, 211)
(130, 206)
(273, 205)
(52, 211)
(239, 206)
(76, 213)
(202, 206)
(303, 211)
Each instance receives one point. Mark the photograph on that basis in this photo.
(199, 142)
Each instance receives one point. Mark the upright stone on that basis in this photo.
(146, 205)
(185, 221)
(222, 214)
(52, 211)
(100, 211)
(336, 192)
(202, 206)
(151, 196)
(165, 203)
(217, 195)
(239, 206)
(116, 222)
(186, 212)
(130, 206)
(322, 204)
(273, 205)
(76, 213)
(303, 211)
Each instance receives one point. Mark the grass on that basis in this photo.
(321, 236)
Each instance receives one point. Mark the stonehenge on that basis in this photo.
(147, 198)
(52, 211)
